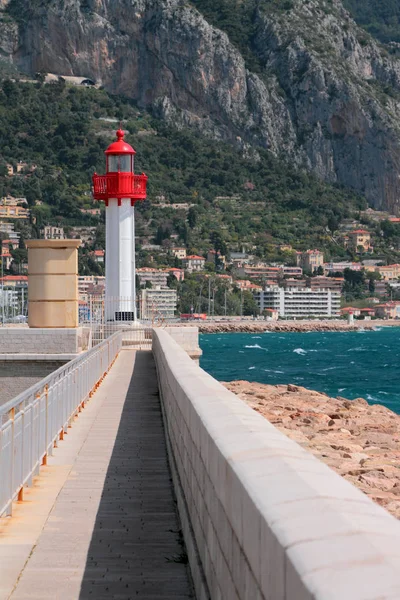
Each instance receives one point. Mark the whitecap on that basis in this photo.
(341, 389)
(384, 393)
(272, 371)
(377, 329)
(256, 337)
(241, 351)
(300, 351)
(251, 368)
(255, 346)
(330, 368)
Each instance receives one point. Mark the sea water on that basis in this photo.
(348, 364)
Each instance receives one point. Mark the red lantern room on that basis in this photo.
(120, 180)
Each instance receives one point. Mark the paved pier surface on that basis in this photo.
(113, 530)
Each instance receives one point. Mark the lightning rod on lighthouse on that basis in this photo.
(120, 189)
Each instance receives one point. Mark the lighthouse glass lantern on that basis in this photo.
(120, 189)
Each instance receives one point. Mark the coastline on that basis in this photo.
(290, 326)
(361, 442)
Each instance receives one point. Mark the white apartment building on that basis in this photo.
(179, 252)
(53, 233)
(299, 302)
(156, 277)
(159, 302)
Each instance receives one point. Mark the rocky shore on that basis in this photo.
(288, 326)
(359, 441)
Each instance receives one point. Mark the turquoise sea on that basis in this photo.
(347, 364)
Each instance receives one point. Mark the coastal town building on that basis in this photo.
(6, 258)
(158, 302)
(89, 282)
(14, 212)
(216, 258)
(299, 302)
(179, 274)
(51, 232)
(310, 260)
(156, 277)
(339, 267)
(179, 252)
(359, 240)
(7, 244)
(389, 310)
(98, 256)
(325, 283)
(193, 263)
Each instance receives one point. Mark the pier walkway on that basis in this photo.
(113, 530)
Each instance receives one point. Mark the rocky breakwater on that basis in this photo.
(283, 326)
(359, 441)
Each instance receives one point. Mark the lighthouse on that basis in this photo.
(120, 189)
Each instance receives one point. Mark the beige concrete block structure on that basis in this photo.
(53, 283)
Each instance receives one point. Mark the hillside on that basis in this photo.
(380, 18)
(236, 198)
(298, 78)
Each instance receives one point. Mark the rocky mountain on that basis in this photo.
(324, 95)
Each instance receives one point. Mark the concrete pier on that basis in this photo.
(112, 531)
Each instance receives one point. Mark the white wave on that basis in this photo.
(300, 351)
(377, 329)
(272, 371)
(254, 346)
(341, 389)
(241, 351)
(384, 393)
(330, 369)
(358, 349)
(251, 368)
(256, 337)
(372, 398)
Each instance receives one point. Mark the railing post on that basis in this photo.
(10, 478)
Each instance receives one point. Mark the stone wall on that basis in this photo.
(18, 376)
(262, 518)
(22, 340)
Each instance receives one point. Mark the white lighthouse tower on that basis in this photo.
(120, 189)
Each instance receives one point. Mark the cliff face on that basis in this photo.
(327, 97)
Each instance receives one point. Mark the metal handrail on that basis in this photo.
(32, 422)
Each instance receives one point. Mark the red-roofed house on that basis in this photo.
(179, 274)
(98, 256)
(360, 240)
(193, 263)
(13, 243)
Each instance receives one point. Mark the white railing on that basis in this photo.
(32, 423)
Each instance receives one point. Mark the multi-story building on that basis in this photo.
(389, 272)
(291, 271)
(8, 229)
(14, 212)
(193, 263)
(339, 267)
(290, 282)
(359, 240)
(390, 310)
(216, 257)
(310, 260)
(158, 302)
(53, 233)
(157, 277)
(179, 252)
(325, 283)
(299, 302)
(88, 282)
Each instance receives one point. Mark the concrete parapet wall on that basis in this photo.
(187, 338)
(263, 518)
(15, 340)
